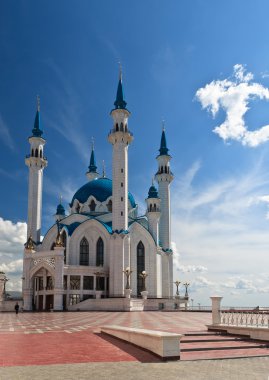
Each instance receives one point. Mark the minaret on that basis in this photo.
(36, 163)
(92, 173)
(153, 212)
(60, 212)
(120, 138)
(164, 177)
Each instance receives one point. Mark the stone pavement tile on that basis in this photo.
(231, 369)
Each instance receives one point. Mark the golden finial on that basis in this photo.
(120, 71)
(38, 103)
(29, 244)
(58, 241)
(104, 169)
(61, 199)
(92, 143)
(163, 125)
(152, 181)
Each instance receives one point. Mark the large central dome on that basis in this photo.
(100, 188)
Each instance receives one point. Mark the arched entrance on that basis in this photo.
(140, 266)
(43, 289)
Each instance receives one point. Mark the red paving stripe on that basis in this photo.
(60, 348)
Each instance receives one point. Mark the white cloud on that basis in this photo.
(233, 95)
(12, 239)
(5, 134)
(219, 228)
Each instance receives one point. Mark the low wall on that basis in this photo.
(259, 333)
(9, 305)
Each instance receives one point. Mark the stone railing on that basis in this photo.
(244, 318)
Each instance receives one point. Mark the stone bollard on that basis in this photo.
(216, 319)
(144, 294)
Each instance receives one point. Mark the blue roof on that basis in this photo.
(153, 193)
(60, 209)
(37, 132)
(163, 147)
(100, 188)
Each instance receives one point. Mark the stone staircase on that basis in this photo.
(212, 345)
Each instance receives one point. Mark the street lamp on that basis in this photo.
(143, 275)
(127, 272)
(192, 303)
(177, 285)
(186, 284)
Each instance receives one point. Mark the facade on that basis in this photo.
(84, 255)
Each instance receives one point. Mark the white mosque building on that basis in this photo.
(102, 255)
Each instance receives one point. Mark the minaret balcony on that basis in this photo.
(120, 136)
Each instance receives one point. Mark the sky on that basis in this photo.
(203, 68)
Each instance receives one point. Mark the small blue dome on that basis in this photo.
(153, 193)
(60, 210)
(100, 188)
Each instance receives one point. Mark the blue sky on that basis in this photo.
(202, 67)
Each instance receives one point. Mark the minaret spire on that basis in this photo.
(37, 131)
(120, 103)
(92, 172)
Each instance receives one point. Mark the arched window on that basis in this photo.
(36, 152)
(140, 265)
(52, 246)
(121, 126)
(117, 127)
(32, 152)
(100, 252)
(40, 153)
(63, 236)
(92, 205)
(150, 207)
(84, 252)
(162, 169)
(109, 206)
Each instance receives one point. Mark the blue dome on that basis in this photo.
(100, 188)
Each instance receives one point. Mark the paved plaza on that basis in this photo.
(69, 345)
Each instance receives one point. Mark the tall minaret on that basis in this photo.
(92, 173)
(120, 138)
(164, 177)
(36, 163)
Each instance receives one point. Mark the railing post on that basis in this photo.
(216, 319)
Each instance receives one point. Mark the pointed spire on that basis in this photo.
(153, 193)
(163, 147)
(37, 132)
(120, 102)
(92, 167)
(60, 208)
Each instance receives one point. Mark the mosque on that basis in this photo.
(102, 255)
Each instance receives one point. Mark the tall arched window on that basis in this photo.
(92, 205)
(84, 252)
(100, 252)
(36, 152)
(63, 236)
(140, 266)
(109, 206)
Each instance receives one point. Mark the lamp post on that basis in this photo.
(128, 272)
(143, 275)
(192, 303)
(186, 284)
(177, 285)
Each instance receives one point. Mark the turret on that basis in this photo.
(60, 211)
(153, 212)
(36, 163)
(120, 137)
(92, 172)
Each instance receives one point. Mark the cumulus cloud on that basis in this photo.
(12, 238)
(233, 96)
(180, 267)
